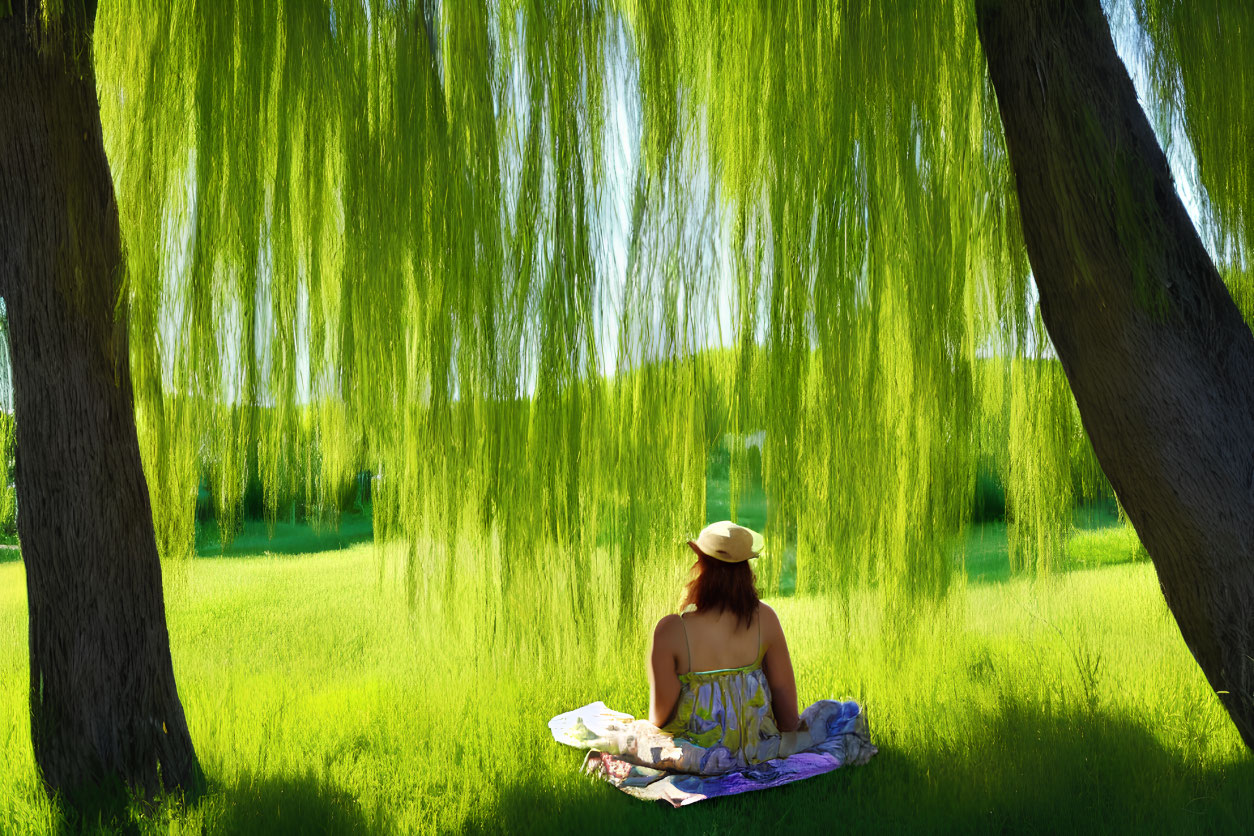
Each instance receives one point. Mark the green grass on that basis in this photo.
(1097, 539)
(1104, 547)
(320, 702)
(257, 537)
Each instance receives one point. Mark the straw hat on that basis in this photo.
(728, 542)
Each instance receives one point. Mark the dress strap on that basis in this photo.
(759, 633)
(687, 645)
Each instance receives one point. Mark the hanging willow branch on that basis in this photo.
(533, 263)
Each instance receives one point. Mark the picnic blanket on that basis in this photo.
(718, 744)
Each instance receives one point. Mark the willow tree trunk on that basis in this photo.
(1158, 357)
(104, 708)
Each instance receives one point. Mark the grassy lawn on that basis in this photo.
(1097, 539)
(257, 538)
(320, 702)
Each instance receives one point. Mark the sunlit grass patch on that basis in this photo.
(1104, 547)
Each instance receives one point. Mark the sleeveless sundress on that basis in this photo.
(721, 740)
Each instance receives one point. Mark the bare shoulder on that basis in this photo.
(768, 614)
(667, 631)
(771, 625)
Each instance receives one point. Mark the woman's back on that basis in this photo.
(720, 640)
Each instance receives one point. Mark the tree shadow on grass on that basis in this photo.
(267, 805)
(112, 808)
(1025, 769)
(287, 805)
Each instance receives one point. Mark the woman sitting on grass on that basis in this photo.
(710, 645)
(720, 676)
(722, 699)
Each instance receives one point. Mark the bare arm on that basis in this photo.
(778, 666)
(663, 676)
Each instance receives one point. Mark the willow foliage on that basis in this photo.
(1201, 61)
(531, 263)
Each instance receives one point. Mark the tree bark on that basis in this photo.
(105, 712)
(1158, 357)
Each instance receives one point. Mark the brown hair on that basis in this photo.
(723, 586)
